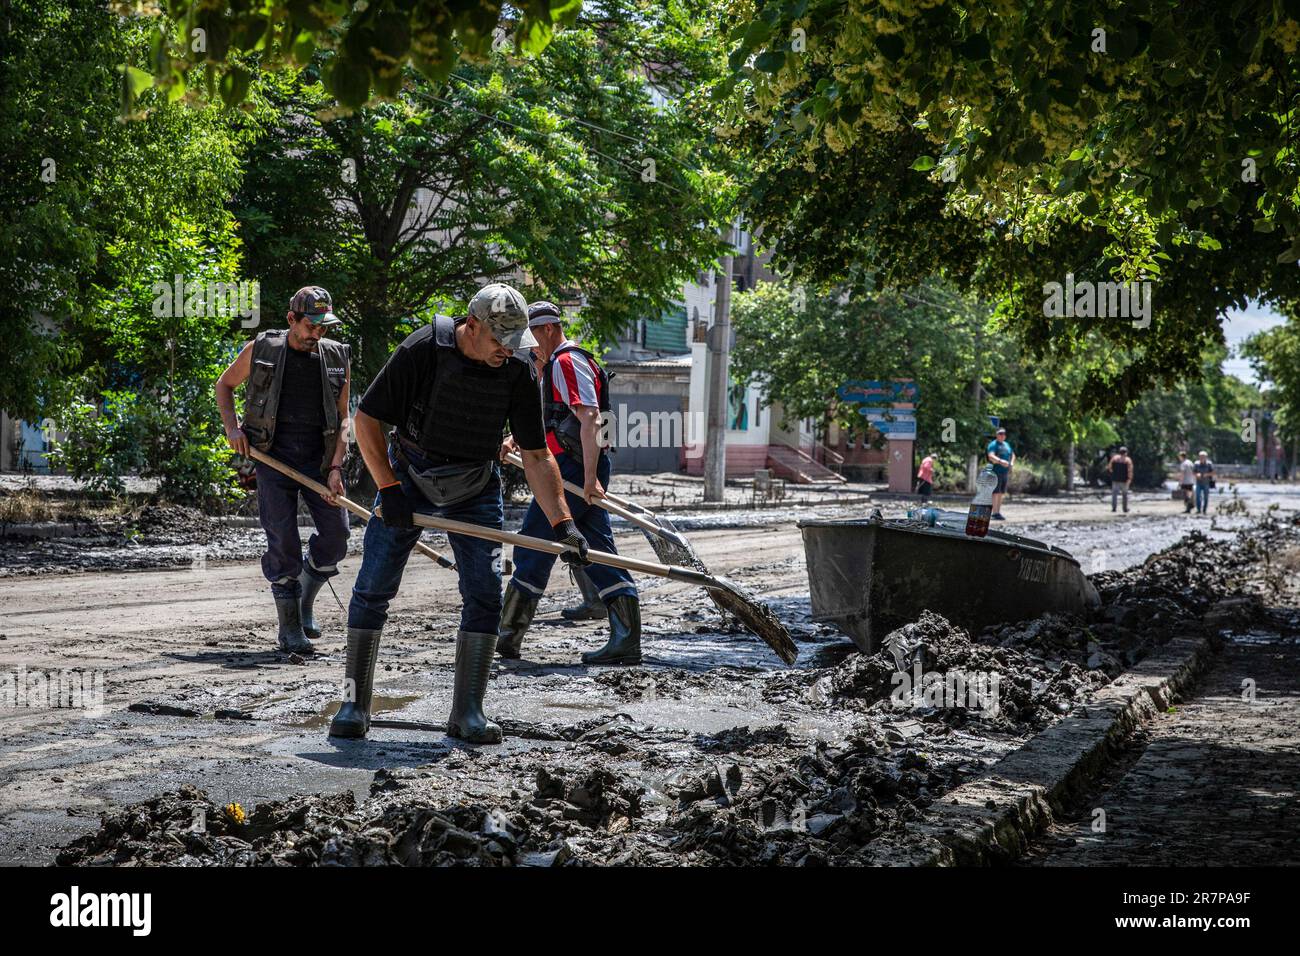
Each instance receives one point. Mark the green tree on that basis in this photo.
(567, 167)
(801, 345)
(992, 142)
(1275, 356)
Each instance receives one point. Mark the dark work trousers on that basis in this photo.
(478, 562)
(277, 507)
(533, 568)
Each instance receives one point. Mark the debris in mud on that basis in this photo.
(614, 790)
(170, 524)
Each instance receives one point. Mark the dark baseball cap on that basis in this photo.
(315, 303)
(544, 313)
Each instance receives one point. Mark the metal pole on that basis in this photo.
(719, 342)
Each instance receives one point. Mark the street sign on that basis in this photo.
(895, 425)
(877, 392)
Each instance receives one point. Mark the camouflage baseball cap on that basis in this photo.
(315, 303)
(506, 314)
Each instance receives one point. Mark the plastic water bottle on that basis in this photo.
(938, 518)
(981, 509)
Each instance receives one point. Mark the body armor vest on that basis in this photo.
(464, 413)
(266, 378)
(557, 417)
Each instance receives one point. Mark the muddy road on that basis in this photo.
(710, 752)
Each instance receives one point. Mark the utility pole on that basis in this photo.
(719, 344)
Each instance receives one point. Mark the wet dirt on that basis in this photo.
(711, 753)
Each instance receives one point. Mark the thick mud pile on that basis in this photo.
(154, 536)
(933, 709)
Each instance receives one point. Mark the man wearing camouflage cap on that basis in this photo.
(449, 391)
(295, 410)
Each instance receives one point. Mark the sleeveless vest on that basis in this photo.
(266, 378)
(557, 417)
(463, 414)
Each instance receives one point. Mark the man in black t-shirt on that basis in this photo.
(449, 390)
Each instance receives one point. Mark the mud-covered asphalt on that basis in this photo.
(712, 752)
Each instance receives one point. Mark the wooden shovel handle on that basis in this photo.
(611, 503)
(359, 510)
(554, 547)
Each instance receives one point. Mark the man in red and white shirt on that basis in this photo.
(575, 393)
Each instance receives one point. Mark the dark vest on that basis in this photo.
(266, 380)
(464, 413)
(556, 415)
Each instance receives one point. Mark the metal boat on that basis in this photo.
(873, 575)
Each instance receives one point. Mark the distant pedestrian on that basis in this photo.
(1204, 471)
(1186, 480)
(1121, 477)
(925, 477)
(1002, 458)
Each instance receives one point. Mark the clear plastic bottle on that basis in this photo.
(981, 509)
(938, 518)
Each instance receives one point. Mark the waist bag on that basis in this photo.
(448, 484)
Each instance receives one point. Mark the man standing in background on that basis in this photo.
(1002, 458)
(1204, 471)
(1121, 477)
(1186, 481)
(295, 410)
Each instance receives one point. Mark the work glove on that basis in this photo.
(567, 533)
(395, 509)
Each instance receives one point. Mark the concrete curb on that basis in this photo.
(991, 820)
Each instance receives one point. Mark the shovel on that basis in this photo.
(754, 615)
(352, 506)
(670, 547)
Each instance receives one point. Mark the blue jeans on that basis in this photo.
(1202, 498)
(478, 562)
(277, 508)
(533, 568)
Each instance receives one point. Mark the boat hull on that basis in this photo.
(872, 576)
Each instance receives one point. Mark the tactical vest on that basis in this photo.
(463, 414)
(266, 377)
(557, 417)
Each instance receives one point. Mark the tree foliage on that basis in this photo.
(1275, 356)
(993, 143)
(224, 44)
(564, 168)
(96, 210)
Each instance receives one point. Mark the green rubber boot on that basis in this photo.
(353, 718)
(311, 586)
(624, 645)
(291, 638)
(517, 610)
(473, 668)
(592, 607)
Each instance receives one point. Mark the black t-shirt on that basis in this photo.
(408, 375)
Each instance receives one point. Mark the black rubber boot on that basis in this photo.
(353, 718)
(624, 645)
(311, 585)
(517, 610)
(473, 668)
(592, 607)
(291, 638)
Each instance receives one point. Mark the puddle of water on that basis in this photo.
(378, 705)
